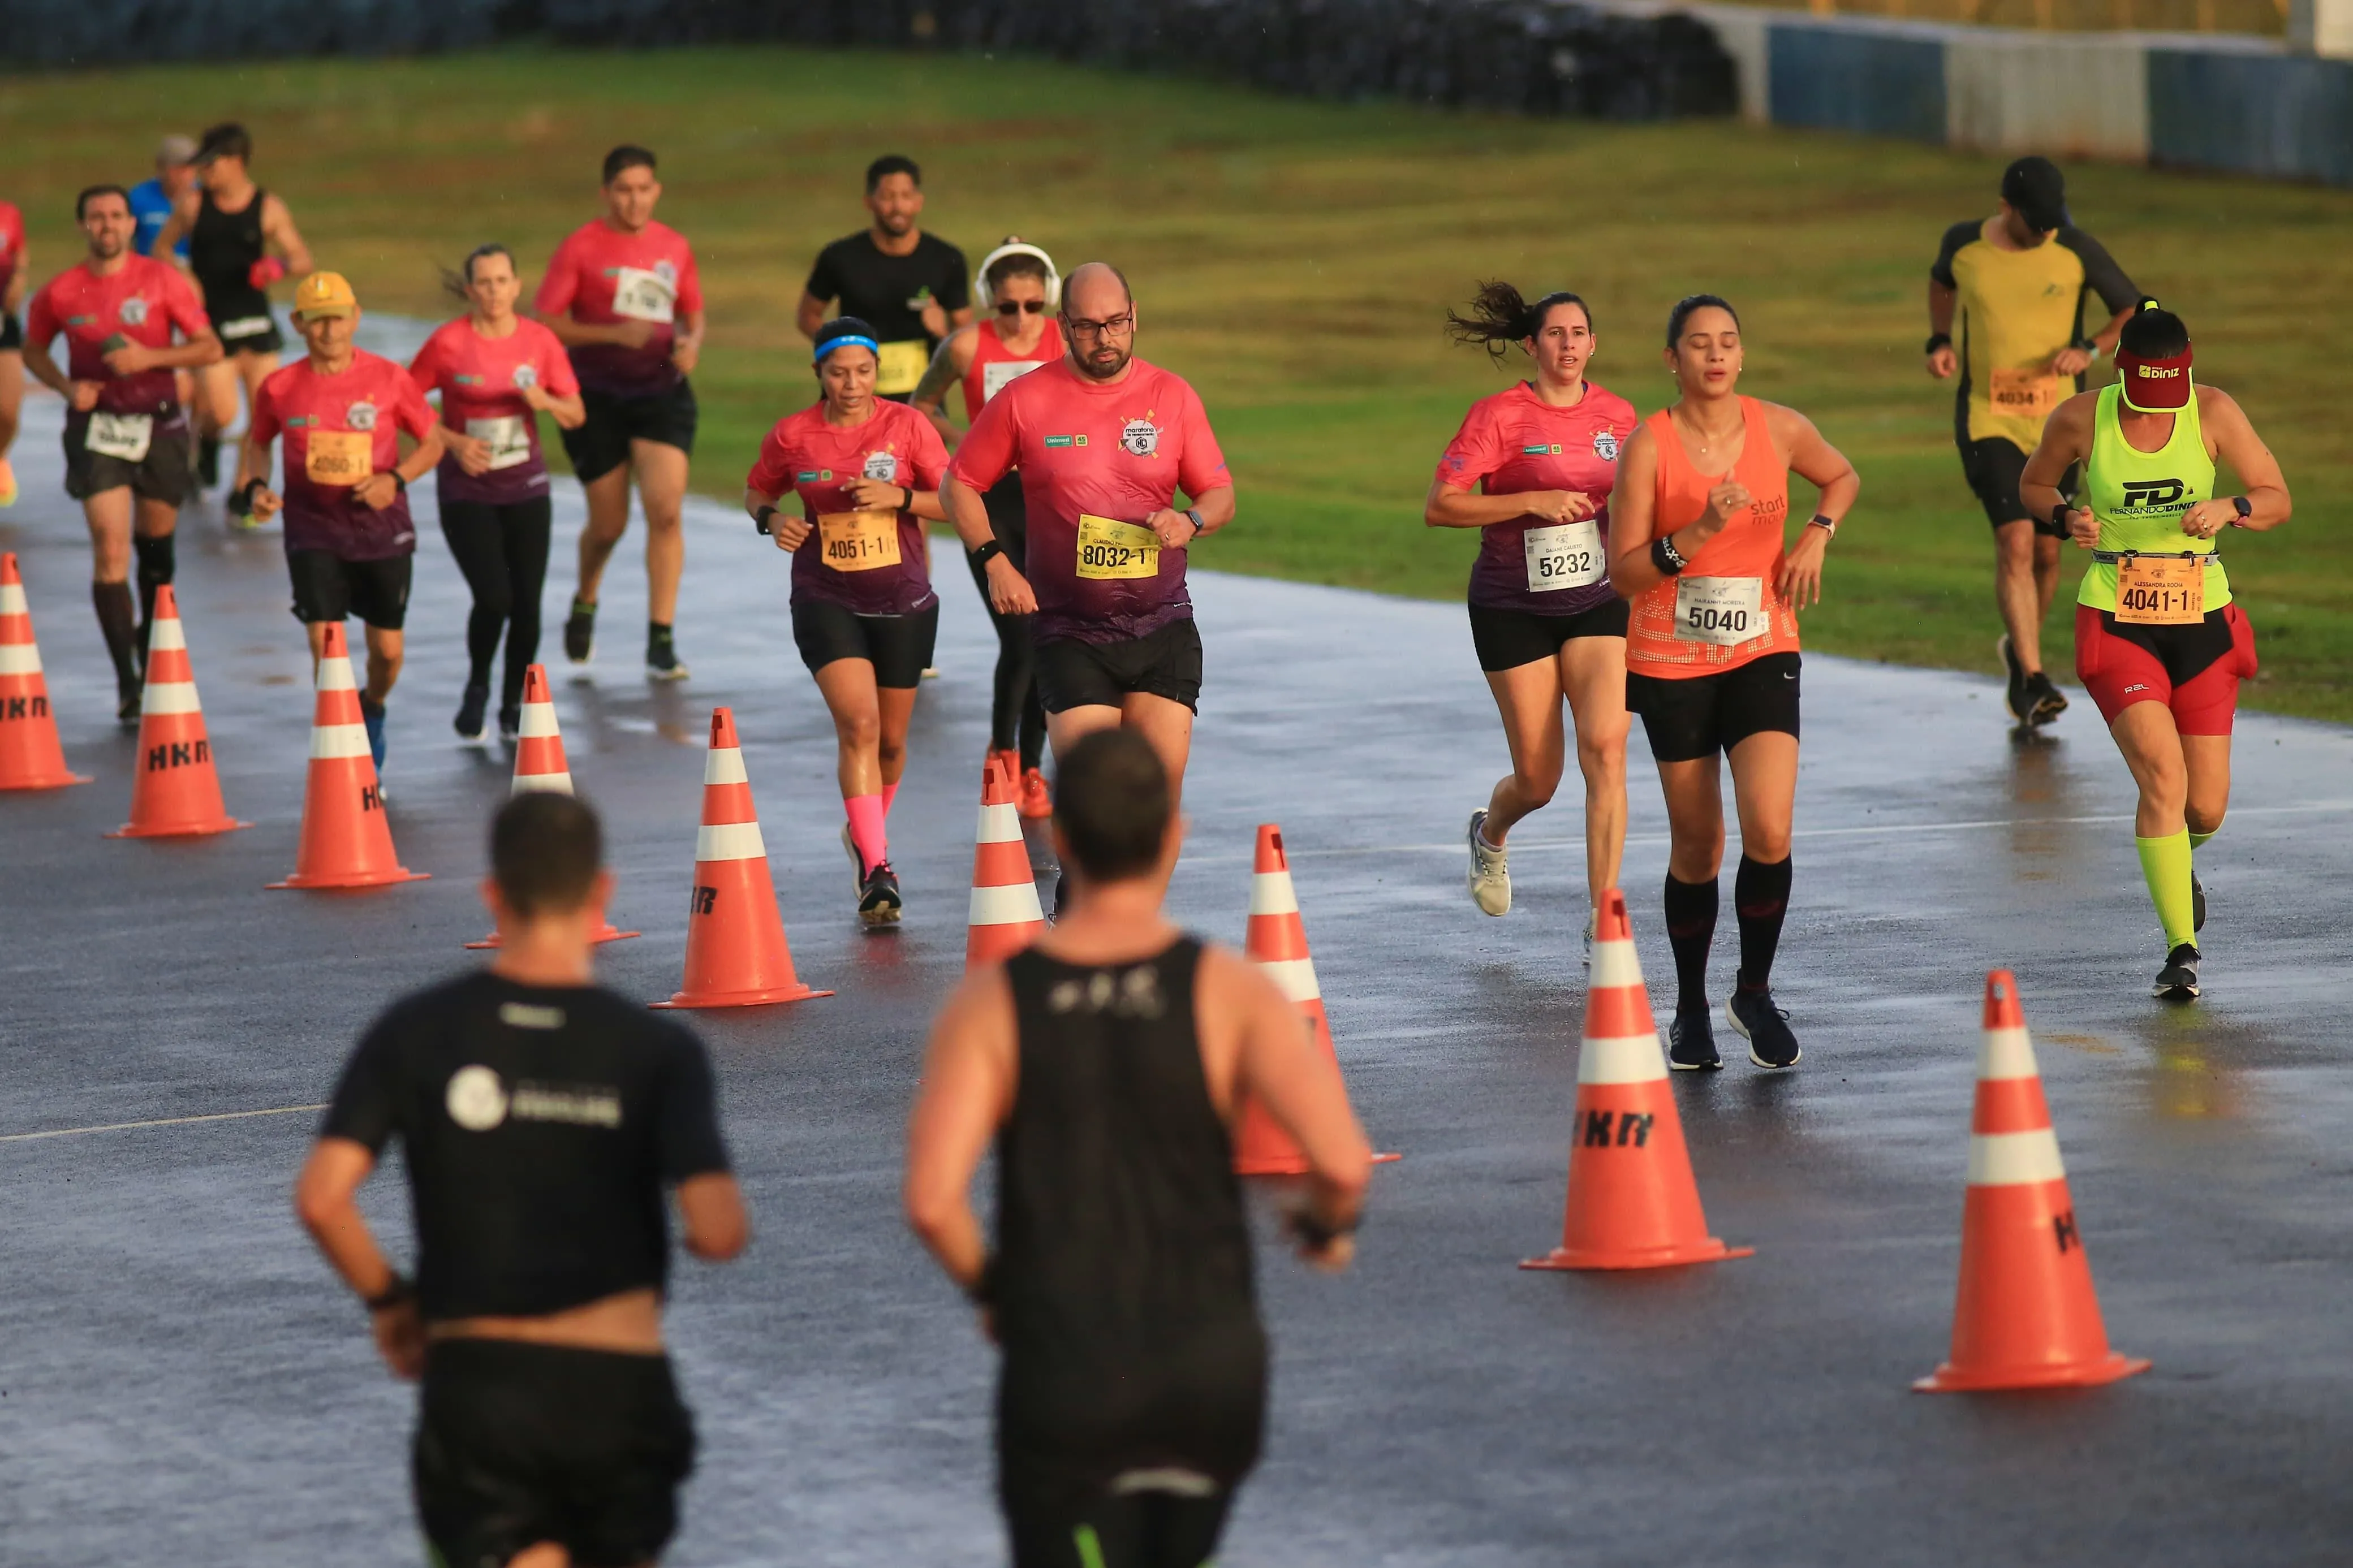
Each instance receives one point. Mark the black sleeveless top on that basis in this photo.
(222, 248)
(1123, 1277)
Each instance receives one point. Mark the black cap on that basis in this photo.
(2039, 191)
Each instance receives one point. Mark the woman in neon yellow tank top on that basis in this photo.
(2158, 643)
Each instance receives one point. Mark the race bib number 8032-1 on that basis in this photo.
(1114, 550)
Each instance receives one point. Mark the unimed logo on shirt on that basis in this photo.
(580, 1104)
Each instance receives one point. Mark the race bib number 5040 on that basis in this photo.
(1723, 611)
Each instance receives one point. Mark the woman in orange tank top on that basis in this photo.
(1699, 548)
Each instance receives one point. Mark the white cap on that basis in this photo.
(1015, 246)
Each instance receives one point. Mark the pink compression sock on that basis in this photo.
(865, 813)
(889, 794)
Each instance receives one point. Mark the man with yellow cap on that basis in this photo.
(350, 543)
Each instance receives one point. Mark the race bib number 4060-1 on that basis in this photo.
(340, 458)
(1114, 550)
(1725, 611)
(1565, 555)
(643, 296)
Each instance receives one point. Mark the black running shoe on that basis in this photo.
(879, 903)
(126, 708)
(1691, 1041)
(2044, 701)
(1062, 892)
(1765, 1027)
(2197, 905)
(208, 461)
(470, 710)
(2018, 696)
(510, 725)
(580, 633)
(2178, 981)
(662, 662)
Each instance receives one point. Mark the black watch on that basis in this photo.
(760, 518)
(2059, 516)
(987, 552)
(2246, 509)
(398, 483)
(1195, 513)
(909, 504)
(401, 1289)
(1938, 341)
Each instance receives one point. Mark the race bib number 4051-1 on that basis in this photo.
(1565, 555)
(643, 296)
(859, 540)
(1723, 611)
(1114, 550)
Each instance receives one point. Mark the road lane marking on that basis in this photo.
(158, 1121)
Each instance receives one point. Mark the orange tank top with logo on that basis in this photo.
(1722, 612)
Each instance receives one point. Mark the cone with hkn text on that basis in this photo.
(1006, 916)
(1277, 943)
(176, 792)
(347, 841)
(737, 955)
(2025, 1316)
(1632, 1202)
(540, 765)
(30, 755)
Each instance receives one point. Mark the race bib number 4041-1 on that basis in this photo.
(2161, 590)
(1722, 611)
(1565, 555)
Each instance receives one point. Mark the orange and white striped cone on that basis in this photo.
(176, 792)
(2025, 1315)
(30, 755)
(1006, 915)
(737, 955)
(347, 841)
(1276, 941)
(1632, 1202)
(540, 765)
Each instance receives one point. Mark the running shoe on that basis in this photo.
(1490, 881)
(2197, 904)
(2020, 696)
(470, 710)
(1691, 1041)
(857, 861)
(580, 633)
(2178, 981)
(1035, 800)
(1765, 1027)
(126, 708)
(2044, 701)
(207, 461)
(662, 662)
(931, 672)
(510, 725)
(371, 714)
(1062, 892)
(7, 483)
(878, 897)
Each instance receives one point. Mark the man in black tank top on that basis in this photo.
(542, 1118)
(1108, 1063)
(241, 239)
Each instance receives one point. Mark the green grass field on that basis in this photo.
(1294, 261)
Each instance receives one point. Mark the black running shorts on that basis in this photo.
(1507, 639)
(163, 475)
(259, 335)
(1701, 715)
(1138, 1529)
(12, 333)
(327, 588)
(1166, 663)
(1993, 468)
(898, 646)
(518, 1444)
(602, 442)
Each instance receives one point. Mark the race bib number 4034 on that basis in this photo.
(1565, 555)
(1722, 611)
(1116, 551)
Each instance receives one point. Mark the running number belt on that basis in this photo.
(222, 248)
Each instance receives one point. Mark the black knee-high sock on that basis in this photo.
(1760, 896)
(112, 602)
(1691, 928)
(158, 558)
(1033, 730)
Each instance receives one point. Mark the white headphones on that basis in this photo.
(1015, 246)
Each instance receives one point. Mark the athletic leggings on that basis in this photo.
(502, 550)
(1015, 717)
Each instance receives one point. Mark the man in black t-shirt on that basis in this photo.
(542, 1118)
(911, 286)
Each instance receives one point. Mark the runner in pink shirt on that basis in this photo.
(1104, 442)
(12, 273)
(867, 472)
(497, 373)
(622, 295)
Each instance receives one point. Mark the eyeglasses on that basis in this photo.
(1016, 306)
(1117, 327)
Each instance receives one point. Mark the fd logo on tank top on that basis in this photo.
(526, 377)
(1605, 445)
(133, 311)
(882, 466)
(477, 1101)
(1141, 436)
(360, 416)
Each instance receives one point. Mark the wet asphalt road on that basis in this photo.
(180, 1380)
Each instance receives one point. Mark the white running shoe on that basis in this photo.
(1490, 877)
(1592, 918)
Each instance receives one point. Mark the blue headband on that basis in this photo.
(830, 344)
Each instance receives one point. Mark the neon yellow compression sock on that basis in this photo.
(2198, 840)
(2165, 864)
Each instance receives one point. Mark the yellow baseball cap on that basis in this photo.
(325, 294)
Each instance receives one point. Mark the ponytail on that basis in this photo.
(1499, 316)
(457, 282)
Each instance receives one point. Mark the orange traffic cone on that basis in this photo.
(347, 842)
(737, 955)
(177, 792)
(540, 765)
(1277, 943)
(1632, 1202)
(2026, 1316)
(1006, 916)
(30, 756)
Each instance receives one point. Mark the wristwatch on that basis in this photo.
(399, 484)
(760, 518)
(1938, 341)
(1195, 513)
(986, 554)
(1824, 521)
(2245, 508)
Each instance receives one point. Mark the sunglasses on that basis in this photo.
(1016, 307)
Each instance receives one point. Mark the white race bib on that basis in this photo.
(1726, 611)
(643, 296)
(1564, 555)
(999, 373)
(123, 435)
(509, 437)
(243, 327)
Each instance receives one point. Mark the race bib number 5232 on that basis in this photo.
(1723, 611)
(1110, 551)
(1565, 555)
